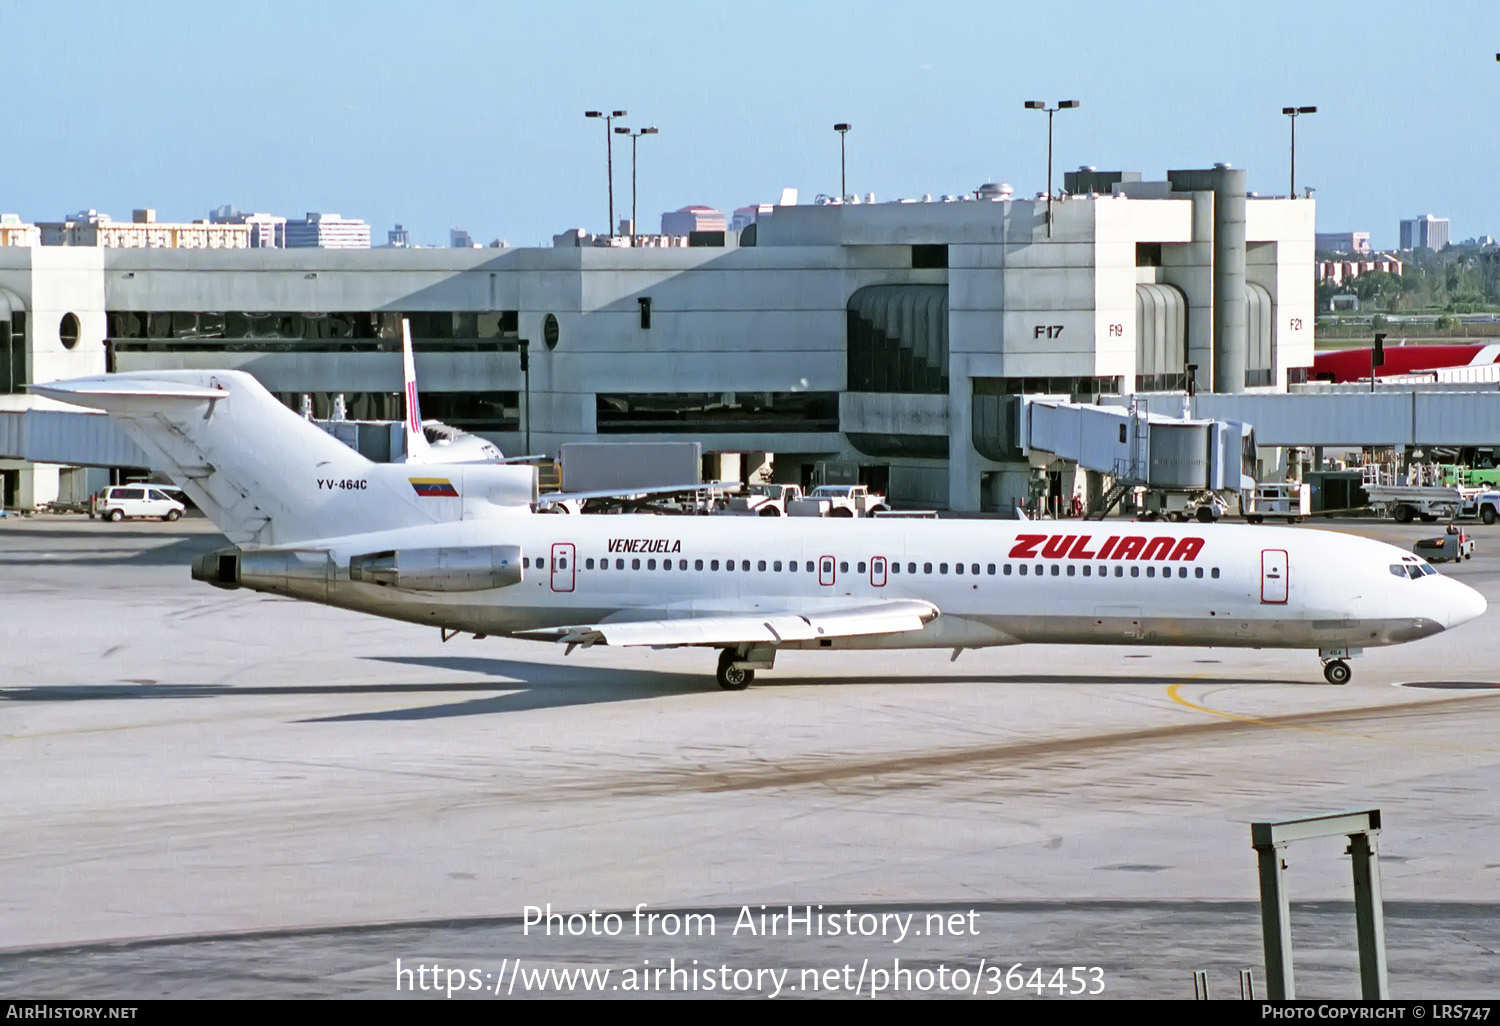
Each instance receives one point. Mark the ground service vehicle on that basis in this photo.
(765, 500)
(117, 502)
(1457, 544)
(838, 501)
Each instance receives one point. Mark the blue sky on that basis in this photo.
(447, 113)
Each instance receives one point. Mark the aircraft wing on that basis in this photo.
(623, 493)
(773, 627)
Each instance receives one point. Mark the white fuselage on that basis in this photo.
(995, 582)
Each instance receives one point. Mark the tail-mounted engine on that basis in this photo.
(305, 574)
(473, 568)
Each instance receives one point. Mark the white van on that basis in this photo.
(138, 500)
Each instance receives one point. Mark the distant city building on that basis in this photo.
(1337, 272)
(1343, 242)
(744, 217)
(693, 219)
(1479, 242)
(142, 231)
(1425, 232)
(398, 238)
(267, 231)
(459, 238)
(579, 238)
(15, 232)
(327, 231)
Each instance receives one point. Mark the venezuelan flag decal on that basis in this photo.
(434, 487)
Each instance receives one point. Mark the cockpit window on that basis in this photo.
(1427, 569)
(1398, 569)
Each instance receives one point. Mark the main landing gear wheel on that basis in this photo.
(731, 677)
(1337, 672)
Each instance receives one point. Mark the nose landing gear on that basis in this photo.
(1335, 669)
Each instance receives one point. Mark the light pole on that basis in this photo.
(842, 128)
(633, 137)
(524, 345)
(1039, 105)
(609, 156)
(1292, 112)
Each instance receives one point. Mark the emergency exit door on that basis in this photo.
(1273, 577)
(562, 566)
(825, 571)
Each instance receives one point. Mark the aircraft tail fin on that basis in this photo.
(263, 474)
(417, 447)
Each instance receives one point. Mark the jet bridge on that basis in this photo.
(1138, 447)
(71, 437)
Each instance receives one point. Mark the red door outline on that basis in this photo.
(564, 560)
(826, 573)
(877, 571)
(1275, 577)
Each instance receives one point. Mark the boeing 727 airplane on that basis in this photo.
(457, 547)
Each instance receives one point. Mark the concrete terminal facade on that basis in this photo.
(892, 335)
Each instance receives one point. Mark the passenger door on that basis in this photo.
(563, 558)
(1274, 577)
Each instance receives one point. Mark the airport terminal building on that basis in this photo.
(895, 336)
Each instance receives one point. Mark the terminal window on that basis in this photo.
(696, 412)
(13, 354)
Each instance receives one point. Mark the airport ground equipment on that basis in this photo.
(764, 500)
(1485, 505)
(1289, 499)
(1418, 496)
(1454, 546)
(1180, 507)
(1269, 839)
(595, 466)
(838, 501)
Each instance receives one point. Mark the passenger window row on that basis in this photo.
(971, 569)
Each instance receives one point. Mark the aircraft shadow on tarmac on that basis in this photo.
(528, 685)
(524, 686)
(178, 552)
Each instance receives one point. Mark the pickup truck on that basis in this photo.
(1485, 505)
(838, 501)
(765, 500)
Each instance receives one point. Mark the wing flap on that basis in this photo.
(894, 616)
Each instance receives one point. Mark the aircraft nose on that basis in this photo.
(1464, 604)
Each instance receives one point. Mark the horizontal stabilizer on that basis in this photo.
(114, 391)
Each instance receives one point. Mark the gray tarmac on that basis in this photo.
(222, 794)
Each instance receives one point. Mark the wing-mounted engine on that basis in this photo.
(470, 568)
